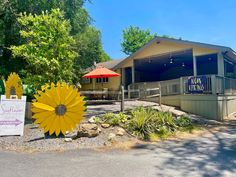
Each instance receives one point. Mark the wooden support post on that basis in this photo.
(194, 66)
(122, 105)
(213, 84)
(220, 64)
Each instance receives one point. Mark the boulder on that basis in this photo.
(88, 130)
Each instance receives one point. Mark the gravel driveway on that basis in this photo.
(211, 154)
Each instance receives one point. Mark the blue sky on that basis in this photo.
(209, 21)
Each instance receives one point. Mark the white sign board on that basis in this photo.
(12, 116)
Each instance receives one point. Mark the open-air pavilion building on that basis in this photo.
(171, 64)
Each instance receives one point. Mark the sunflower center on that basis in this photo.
(60, 110)
(12, 91)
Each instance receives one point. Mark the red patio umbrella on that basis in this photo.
(101, 72)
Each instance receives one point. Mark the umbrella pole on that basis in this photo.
(93, 81)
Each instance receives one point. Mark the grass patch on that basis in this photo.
(190, 128)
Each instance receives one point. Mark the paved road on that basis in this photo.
(213, 154)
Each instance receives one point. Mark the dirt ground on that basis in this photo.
(34, 139)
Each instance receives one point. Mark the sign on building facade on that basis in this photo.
(197, 84)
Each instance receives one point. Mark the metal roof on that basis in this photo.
(108, 64)
(180, 41)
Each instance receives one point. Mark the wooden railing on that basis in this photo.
(169, 87)
(144, 90)
(214, 85)
(225, 85)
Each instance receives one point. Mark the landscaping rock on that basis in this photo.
(72, 135)
(120, 132)
(111, 136)
(88, 130)
(105, 125)
(68, 139)
(99, 130)
(92, 119)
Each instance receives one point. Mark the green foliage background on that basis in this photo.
(134, 38)
(87, 39)
(48, 48)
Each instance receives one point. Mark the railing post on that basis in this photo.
(128, 91)
(122, 105)
(213, 84)
(181, 86)
(159, 94)
(167, 89)
(224, 85)
(145, 90)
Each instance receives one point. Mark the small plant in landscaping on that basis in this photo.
(149, 123)
(114, 119)
(164, 132)
(97, 120)
(140, 123)
(183, 121)
(122, 117)
(185, 124)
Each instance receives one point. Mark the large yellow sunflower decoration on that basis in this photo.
(13, 86)
(58, 108)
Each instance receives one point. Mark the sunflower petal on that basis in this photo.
(77, 117)
(43, 106)
(50, 122)
(70, 122)
(53, 126)
(62, 125)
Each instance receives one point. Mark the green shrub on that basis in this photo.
(147, 122)
(108, 116)
(140, 123)
(29, 92)
(122, 117)
(97, 120)
(185, 124)
(183, 121)
(114, 119)
(164, 132)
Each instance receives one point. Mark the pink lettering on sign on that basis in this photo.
(11, 109)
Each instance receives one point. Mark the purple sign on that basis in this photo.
(12, 116)
(196, 84)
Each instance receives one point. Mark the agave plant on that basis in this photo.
(146, 122)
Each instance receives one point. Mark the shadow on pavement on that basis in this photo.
(213, 154)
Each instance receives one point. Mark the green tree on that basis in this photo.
(134, 38)
(74, 11)
(48, 47)
(90, 48)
